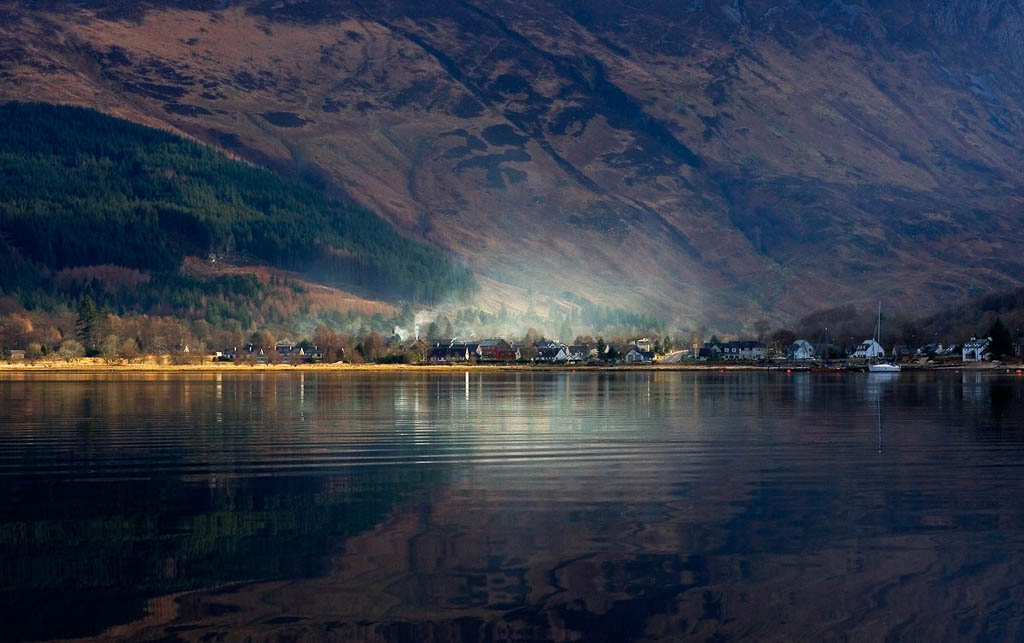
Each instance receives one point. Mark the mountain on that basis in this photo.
(89, 202)
(703, 161)
(956, 324)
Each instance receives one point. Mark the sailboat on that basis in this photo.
(881, 367)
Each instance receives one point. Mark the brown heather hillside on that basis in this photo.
(750, 159)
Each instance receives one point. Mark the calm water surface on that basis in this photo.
(508, 506)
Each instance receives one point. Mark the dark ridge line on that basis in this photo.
(456, 73)
(643, 122)
(677, 235)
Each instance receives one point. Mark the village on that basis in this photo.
(637, 352)
(174, 346)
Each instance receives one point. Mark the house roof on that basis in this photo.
(549, 351)
(444, 351)
(644, 354)
(745, 344)
(741, 344)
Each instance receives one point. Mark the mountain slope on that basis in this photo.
(79, 189)
(708, 163)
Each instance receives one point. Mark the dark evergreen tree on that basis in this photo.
(86, 323)
(1002, 341)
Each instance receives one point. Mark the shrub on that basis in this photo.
(70, 350)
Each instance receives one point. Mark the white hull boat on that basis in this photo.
(884, 368)
(881, 367)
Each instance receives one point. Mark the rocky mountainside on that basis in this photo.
(706, 161)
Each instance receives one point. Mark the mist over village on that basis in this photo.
(839, 338)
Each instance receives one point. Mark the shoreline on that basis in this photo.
(226, 367)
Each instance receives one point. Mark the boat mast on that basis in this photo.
(878, 324)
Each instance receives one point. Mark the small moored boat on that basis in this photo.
(882, 367)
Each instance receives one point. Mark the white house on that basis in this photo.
(977, 350)
(552, 353)
(801, 349)
(869, 349)
(742, 351)
(733, 351)
(637, 356)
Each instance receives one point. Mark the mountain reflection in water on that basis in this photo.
(512, 506)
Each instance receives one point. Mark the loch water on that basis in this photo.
(512, 506)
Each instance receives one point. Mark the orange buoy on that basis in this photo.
(788, 372)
